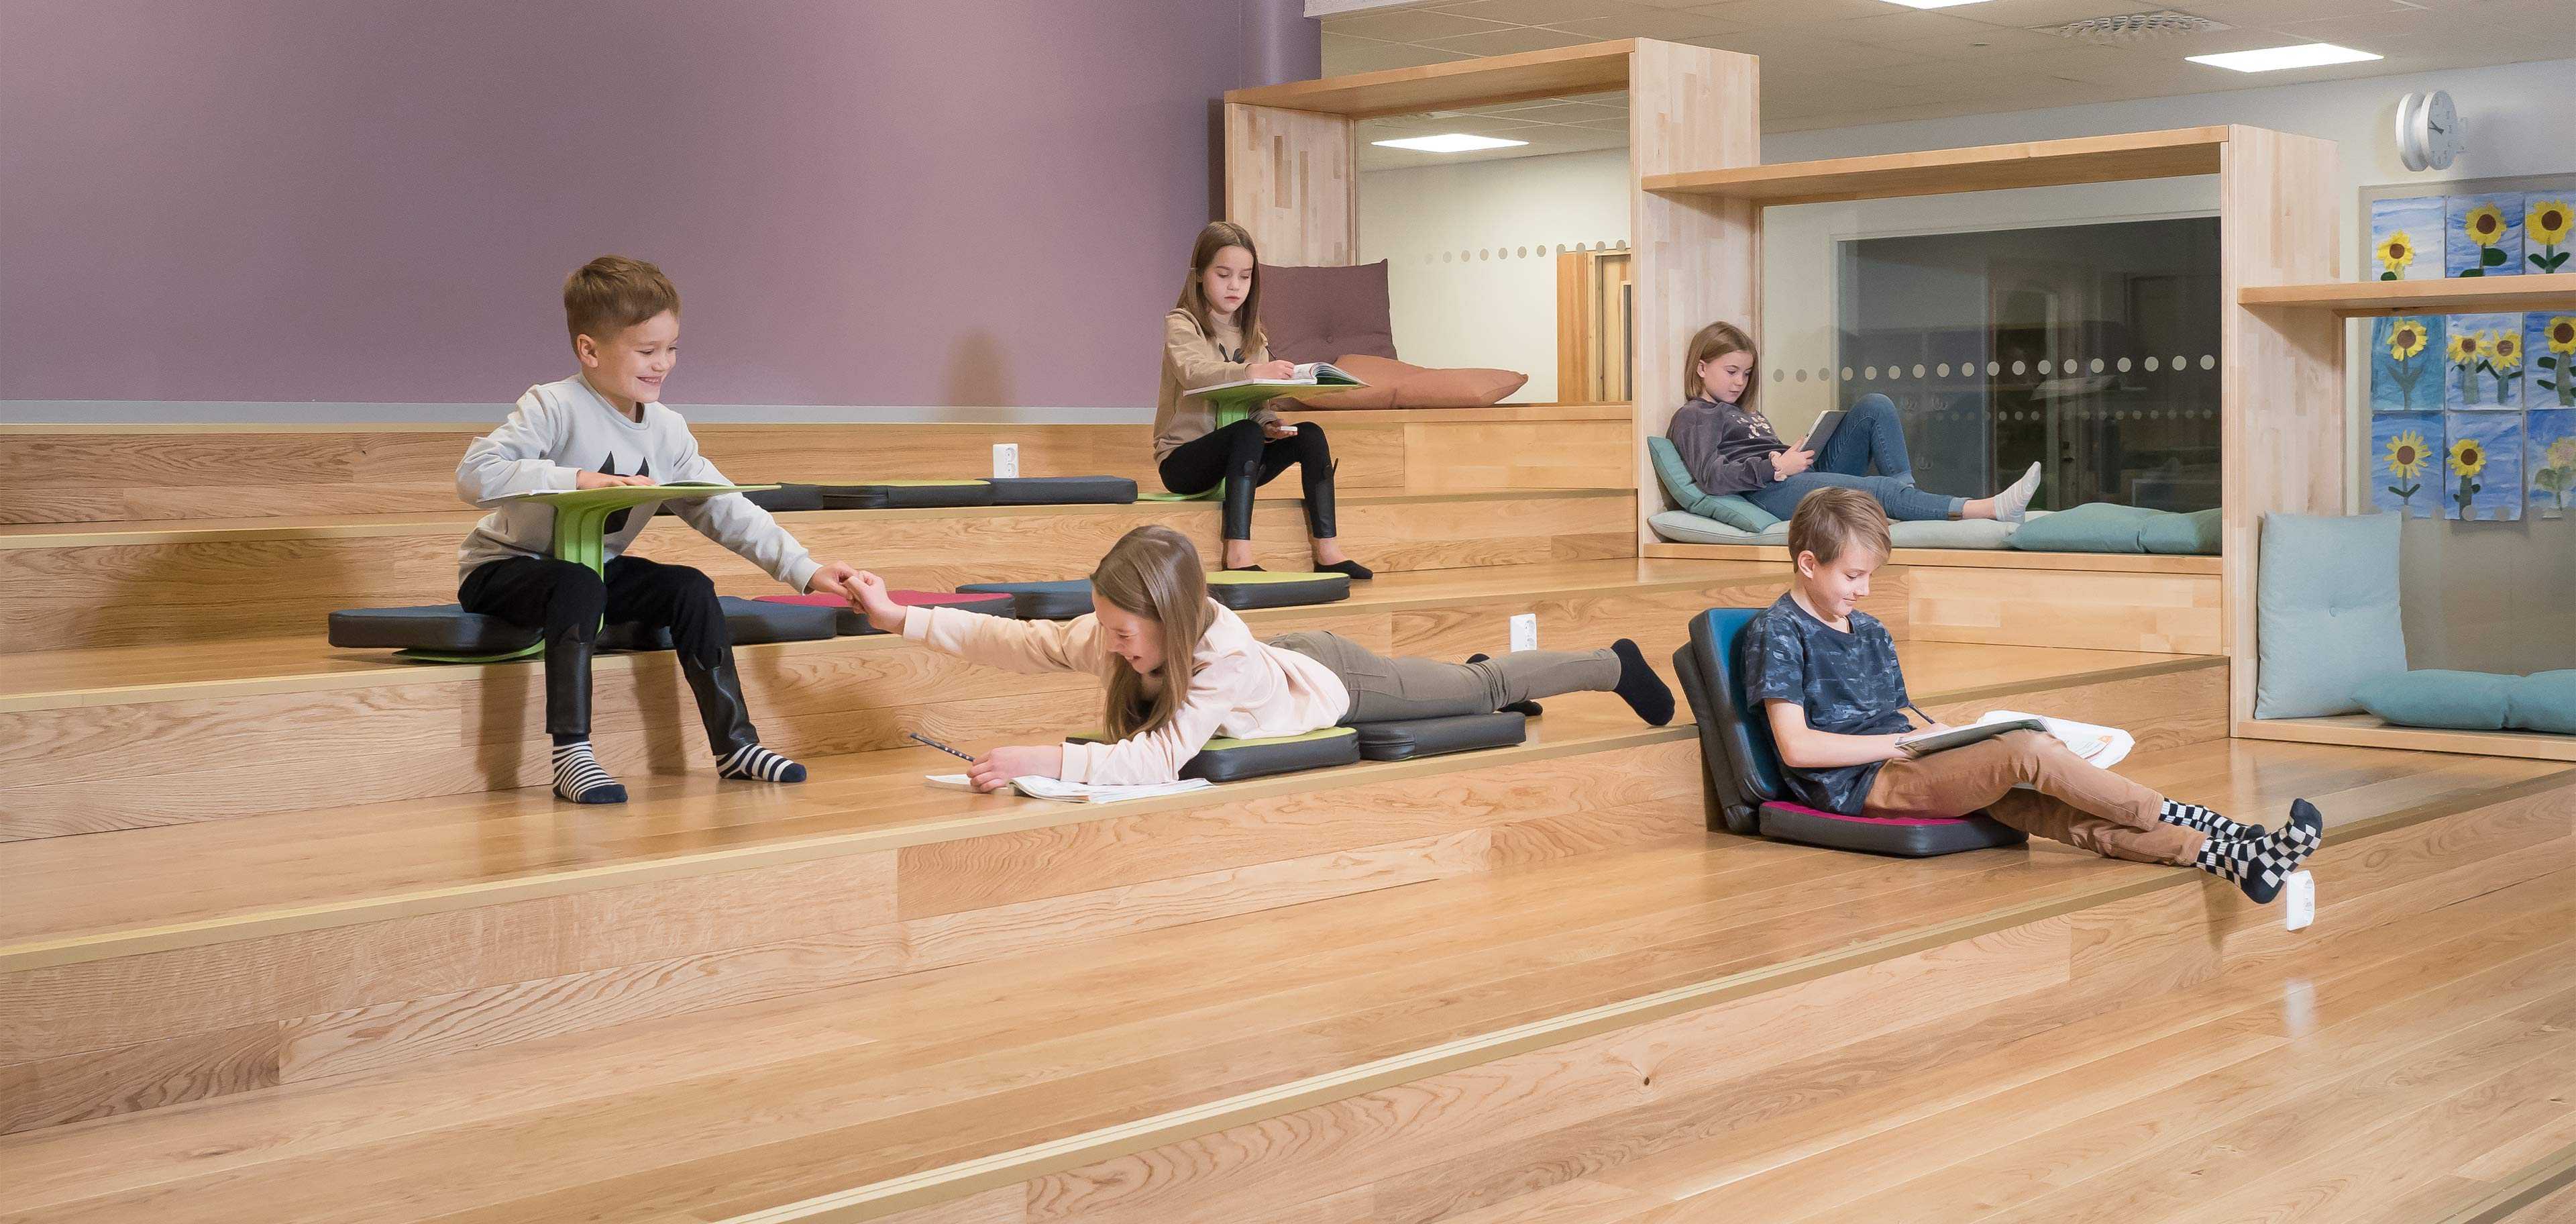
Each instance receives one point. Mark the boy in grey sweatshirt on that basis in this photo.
(606, 426)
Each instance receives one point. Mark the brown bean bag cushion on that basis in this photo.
(1318, 314)
(1397, 384)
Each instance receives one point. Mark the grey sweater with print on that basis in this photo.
(1727, 449)
(560, 430)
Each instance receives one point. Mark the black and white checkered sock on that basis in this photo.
(2194, 816)
(579, 779)
(753, 763)
(2261, 865)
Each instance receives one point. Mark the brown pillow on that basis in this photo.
(1317, 314)
(1397, 384)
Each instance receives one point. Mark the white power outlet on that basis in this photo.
(2299, 897)
(1525, 631)
(1006, 460)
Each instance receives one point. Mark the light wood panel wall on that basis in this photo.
(1292, 179)
(2172, 613)
(109, 590)
(2281, 388)
(107, 1036)
(1697, 258)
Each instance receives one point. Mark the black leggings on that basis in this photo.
(1245, 460)
(567, 601)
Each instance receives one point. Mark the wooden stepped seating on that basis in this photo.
(121, 737)
(173, 963)
(1417, 1053)
(119, 473)
(215, 580)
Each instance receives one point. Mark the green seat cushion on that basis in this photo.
(2452, 700)
(2326, 612)
(1727, 508)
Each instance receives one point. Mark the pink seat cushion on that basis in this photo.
(1821, 814)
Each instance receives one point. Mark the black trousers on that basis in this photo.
(1239, 455)
(567, 602)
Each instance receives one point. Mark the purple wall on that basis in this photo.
(938, 202)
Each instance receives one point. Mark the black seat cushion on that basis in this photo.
(752, 622)
(1405, 739)
(851, 624)
(1062, 600)
(787, 497)
(1233, 760)
(908, 495)
(1872, 835)
(1063, 490)
(444, 628)
(1241, 589)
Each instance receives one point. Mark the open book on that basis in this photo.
(2102, 747)
(1075, 792)
(1311, 374)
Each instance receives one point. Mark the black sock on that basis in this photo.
(1526, 709)
(1639, 686)
(1355, 571)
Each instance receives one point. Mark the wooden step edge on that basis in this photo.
(2108, 675)
(1021, 814)
(363, 526)
(1962, 558)
(959, 1180)
(384, 668)
(2536, 1181)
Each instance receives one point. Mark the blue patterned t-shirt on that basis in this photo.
(1848, 683)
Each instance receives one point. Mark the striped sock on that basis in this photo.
(753, 763)
(2261, 865)
(579, 779)
(2194, 816)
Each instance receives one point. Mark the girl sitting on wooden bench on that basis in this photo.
(1151, 608)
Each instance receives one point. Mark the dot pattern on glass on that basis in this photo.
(2124, 365)
(1847, 374)
(2017, 367)
(2152, 365)
(1942, 369)
(2096, 365)
(1918, 369)
(1802, 373)
(2208, 361)
(1870, 373)
(1993, 368)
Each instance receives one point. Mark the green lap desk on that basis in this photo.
(581, 532)
(908, 495)
(1244, 589)
(1234, 760)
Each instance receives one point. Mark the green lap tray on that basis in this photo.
(581, 534)
(1228, 408)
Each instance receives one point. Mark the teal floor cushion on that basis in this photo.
(1684, 528)
(1729, 509)
(2106, 528)
(2473, 701)
(2326, 612)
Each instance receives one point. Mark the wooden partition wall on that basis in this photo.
(1291, 177)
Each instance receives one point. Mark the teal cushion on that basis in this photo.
(2326, 611)
(1683, 527)
(2544, 701)
(2452, 700)
(1729, 509)
(2193, 534)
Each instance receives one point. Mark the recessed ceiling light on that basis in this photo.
(2272, 59)
(1929, 4)
(1452, 142)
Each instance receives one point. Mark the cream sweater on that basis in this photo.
(1239, 686)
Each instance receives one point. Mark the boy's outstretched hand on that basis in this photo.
(835, 578)
(868, 595)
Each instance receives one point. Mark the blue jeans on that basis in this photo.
(1870, 437)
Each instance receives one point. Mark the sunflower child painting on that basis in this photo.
(2401, 232)
(2406, 367)
(2482, 466)
(2549, 460)
(2549, 345)
(2483, 356)
(2547, 223)
(2482, 234)
(2406, 463)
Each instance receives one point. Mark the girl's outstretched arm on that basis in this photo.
(1028, 647)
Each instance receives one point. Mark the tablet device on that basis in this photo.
(1961, 737)
(1823, 430)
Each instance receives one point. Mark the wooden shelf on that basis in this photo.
(2365, 731)
(2363, 299)
(2039, 163)
(1590, 68)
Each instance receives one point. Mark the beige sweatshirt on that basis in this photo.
(1192, 359)
(1239, 686)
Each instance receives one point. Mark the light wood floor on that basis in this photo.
(775, 1101)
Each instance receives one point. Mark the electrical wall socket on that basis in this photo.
(1525, 631)
(2299, 897)
(1006, 460)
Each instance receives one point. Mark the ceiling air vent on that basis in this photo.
(2134, 27)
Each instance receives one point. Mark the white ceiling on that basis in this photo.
(1838, 63)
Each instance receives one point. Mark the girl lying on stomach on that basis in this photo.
(1180, 669)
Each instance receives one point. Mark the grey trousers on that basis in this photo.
(1383, 688)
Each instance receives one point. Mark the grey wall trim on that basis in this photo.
(165, 412)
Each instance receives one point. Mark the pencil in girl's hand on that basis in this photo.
(936, 744)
